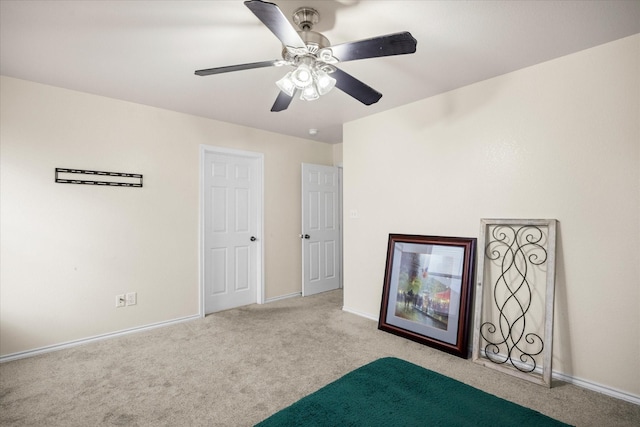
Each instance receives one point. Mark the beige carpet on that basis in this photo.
(237, 367)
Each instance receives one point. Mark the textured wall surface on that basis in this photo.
(68, 250)
(558, 140)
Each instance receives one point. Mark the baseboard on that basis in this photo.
(590, 385)
(359, 313)
(281, 297)
(75, 343)
(555, 375)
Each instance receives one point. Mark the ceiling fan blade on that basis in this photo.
(391, 44)
(282, 102)
(354, 87)
(271, 16)
(229, 68)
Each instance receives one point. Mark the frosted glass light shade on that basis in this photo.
(286, 85)
(309, 93)
(324, 82)
(302, 76)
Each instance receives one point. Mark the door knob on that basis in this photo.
(306, 236)
(253, 238)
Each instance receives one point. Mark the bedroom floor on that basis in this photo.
(237, 367)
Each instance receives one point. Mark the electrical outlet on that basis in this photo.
(132, 298)
(120, 300)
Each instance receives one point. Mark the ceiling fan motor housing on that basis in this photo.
(305, 18)
(314, 41)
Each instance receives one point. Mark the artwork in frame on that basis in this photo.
(427, 290)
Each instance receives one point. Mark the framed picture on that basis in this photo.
(427, 290)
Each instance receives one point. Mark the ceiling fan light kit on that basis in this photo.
(313, 57)
(310, 77)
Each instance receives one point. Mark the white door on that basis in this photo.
(232, 247)
(321, 257)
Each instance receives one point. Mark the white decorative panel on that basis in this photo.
(314, 177)
(218, 269)
(242, 210)
(329, 259)
(218, 169)
(314, 210)
(330, 179)
(515, 297)
(243, 173)
(314, 255)
(329, 211)
(243, 261)
(219, 209)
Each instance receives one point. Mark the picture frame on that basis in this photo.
(427, 290)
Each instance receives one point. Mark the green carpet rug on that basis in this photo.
(392, 392)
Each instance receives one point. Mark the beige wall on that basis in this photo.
(557, 140)
(67, 250)
(337, 154)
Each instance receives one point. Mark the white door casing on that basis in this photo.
(321, 246)
(231, 228)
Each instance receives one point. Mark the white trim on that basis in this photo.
(260, 268)
(75, 343)
(341, 221)
(281, 297)
(590, 385)
(578, 382)
(359, 313)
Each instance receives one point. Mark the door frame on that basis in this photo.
(204, 149)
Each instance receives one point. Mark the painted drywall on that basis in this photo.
(67, 250)
(337, 154)
(557, 140)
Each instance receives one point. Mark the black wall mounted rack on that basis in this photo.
(110, 179)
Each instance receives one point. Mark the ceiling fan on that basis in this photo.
(313, 57)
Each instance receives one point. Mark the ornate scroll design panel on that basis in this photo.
(513, 330)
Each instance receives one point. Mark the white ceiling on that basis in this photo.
(147, 51)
